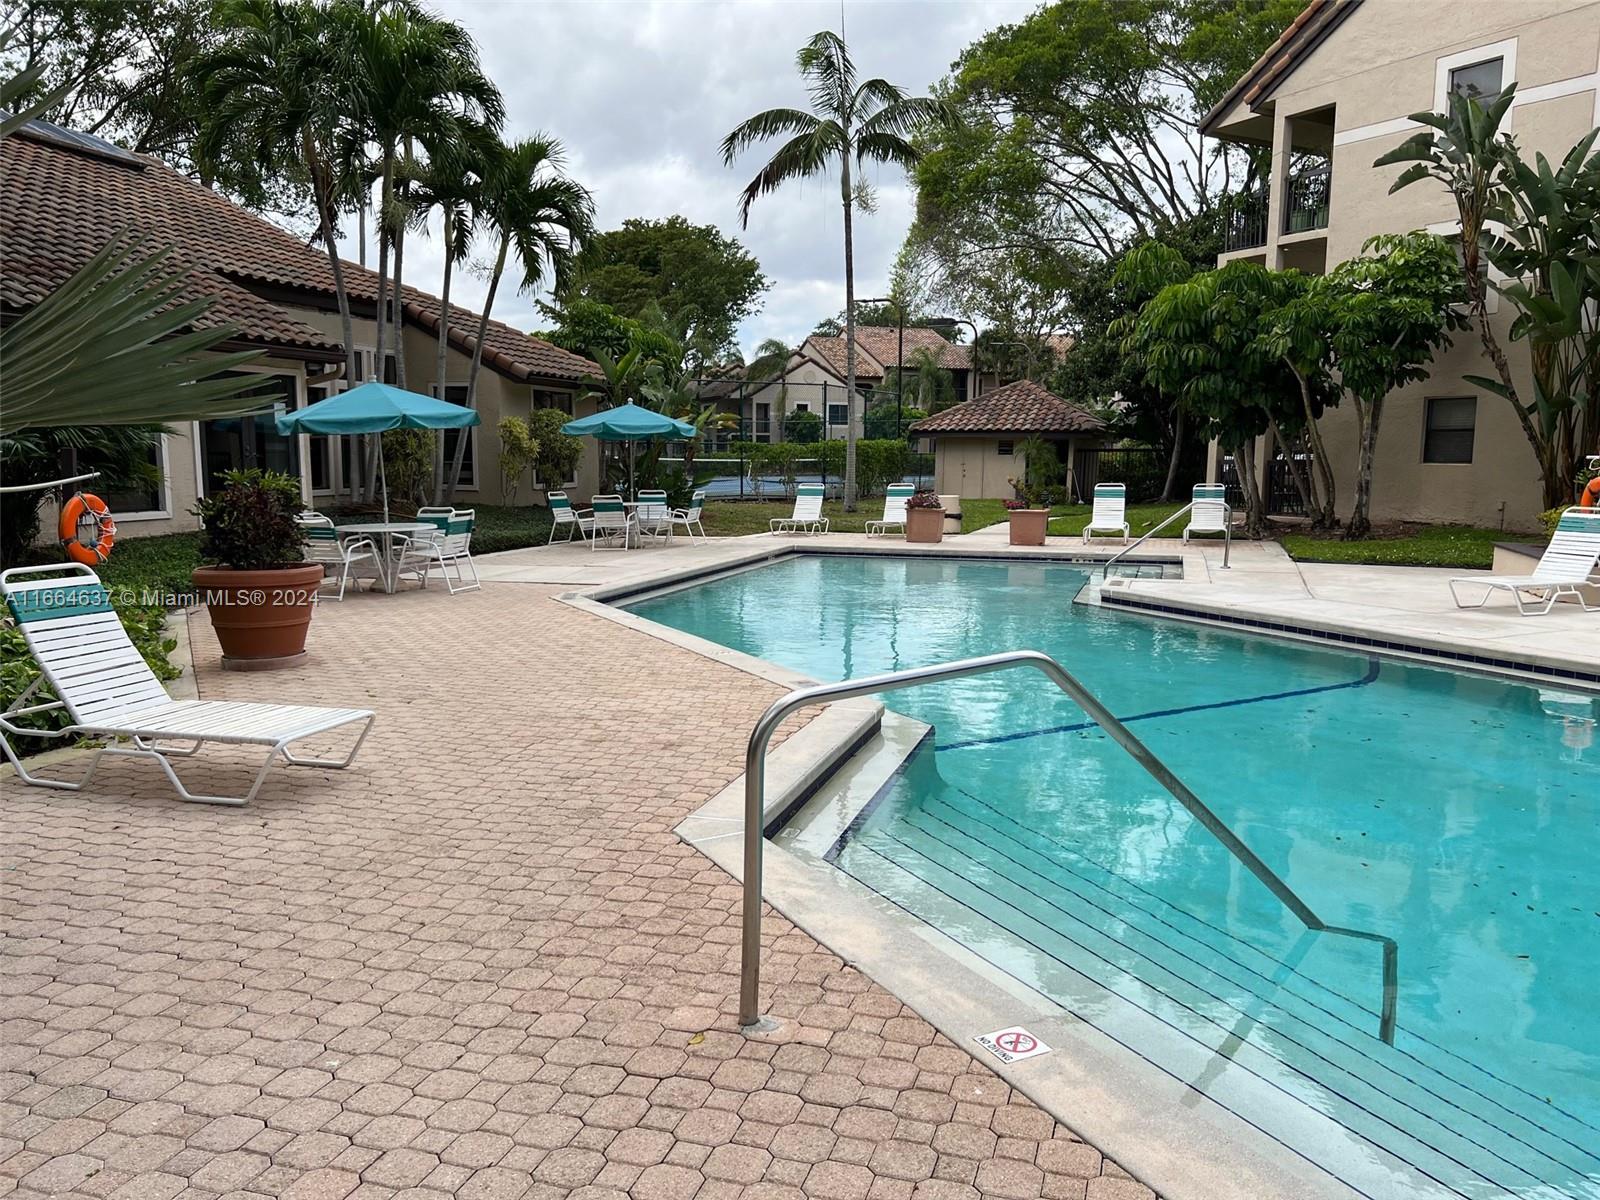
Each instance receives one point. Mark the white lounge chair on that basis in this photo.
(894, 509)
(1565, 568)
(1110, 513)
(612, 521)
(324, 546)
(564, 516)
(807, 516)
(689, 517)
(652, 515)
(102, 681)
(448, 547)
(1210, 513)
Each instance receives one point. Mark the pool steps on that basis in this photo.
(1427, 1106)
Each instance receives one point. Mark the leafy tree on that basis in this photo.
(693, 273)
(1081, 124)
(883, 314)
(1549, 253)
(802, 426)
(619, 378)
(850, 124)
(558, 453)
(887, 419)
(928, 386)
(519, 451)
(588, 327)
(533, 209)
(1391, 309)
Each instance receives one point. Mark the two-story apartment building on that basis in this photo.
(64, 195)
(1330, 96)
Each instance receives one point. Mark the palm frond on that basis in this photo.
(799, 158)
(887, 148)
(907, 115)
(825, 62)
(770, 124)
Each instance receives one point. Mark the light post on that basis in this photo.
(899, 362)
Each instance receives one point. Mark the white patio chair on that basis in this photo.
(448, 547)
(324, 546)
(1110, 513)
(612, 521)
(807, 516)
(1210, 512)
(894, 510)
(102, 681)
(1565, 568)
(564, 516)
(652, 515)
(689, 517)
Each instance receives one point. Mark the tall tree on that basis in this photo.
(535, 211)
(701, 280)
(850, 124)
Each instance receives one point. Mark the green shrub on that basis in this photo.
(557, 456)
(249, 523)
(407, 465)
(1549, 518)
(146, 626)
(802, 426)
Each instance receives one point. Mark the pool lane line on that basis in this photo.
(1373, 666)
(1436, 1077)
(1212, 1051)
(1541, 1102)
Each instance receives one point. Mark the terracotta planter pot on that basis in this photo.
(1028, 526)
(924, 524)
(261, 617)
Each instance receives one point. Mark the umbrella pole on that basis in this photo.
(383, 480)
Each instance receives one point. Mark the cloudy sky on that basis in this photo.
(643, 91)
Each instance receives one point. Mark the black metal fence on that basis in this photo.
(1282, 497)
(1143, 470)
(1246, 223)
(1306, 199)
(770, 436)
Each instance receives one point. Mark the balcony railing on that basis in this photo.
(1246, 222)
(1306, 200)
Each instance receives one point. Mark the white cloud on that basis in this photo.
(642, 92)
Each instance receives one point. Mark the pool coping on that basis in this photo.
(1211, 1152)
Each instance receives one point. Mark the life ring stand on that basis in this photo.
(1591, 494)
(87, 504)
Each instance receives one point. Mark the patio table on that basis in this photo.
(635, 534)
(387, 530)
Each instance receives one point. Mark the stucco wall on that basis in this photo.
(1384, 62)
(974, 468)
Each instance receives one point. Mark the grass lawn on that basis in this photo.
(1403, 545)
(735, 518)
(978, 514)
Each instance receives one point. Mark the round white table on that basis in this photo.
(387, 530)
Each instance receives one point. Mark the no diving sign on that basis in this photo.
(1012, 1045)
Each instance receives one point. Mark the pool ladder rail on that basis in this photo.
(827, 693)
(1227, 537)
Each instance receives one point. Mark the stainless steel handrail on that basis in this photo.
(1227, 536)
(755, 759)
(48, 484)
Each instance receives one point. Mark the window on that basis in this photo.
(1479, 81)
(763, 422)
(1005, 448)
(321, 447)
(838, 414)
(548, 399)
(240, 443)
(1451, 422)
(147, 495)
(456, 393)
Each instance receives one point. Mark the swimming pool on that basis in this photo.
(1453, 812)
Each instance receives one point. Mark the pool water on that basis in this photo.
(1453, 812)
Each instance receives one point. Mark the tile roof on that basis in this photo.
(1020, 408)
(830, 352)
(882, 342)
(60, 204)
(1315, 21)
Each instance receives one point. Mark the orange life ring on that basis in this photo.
(1591, 494)
(87, 504)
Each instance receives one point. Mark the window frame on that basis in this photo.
(840, 424)
(1505, 51)
(163, 464)
(1428, 430)
(468, 482)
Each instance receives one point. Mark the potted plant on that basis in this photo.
(255, 584)
(1028, 516)
(924, 518)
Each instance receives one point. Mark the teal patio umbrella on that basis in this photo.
(373, 408)
(630, 423)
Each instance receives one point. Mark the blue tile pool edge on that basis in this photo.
(1485, 663)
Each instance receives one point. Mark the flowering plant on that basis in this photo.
(925, 500)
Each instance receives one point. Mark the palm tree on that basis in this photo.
(868, 122)
(540, 214)
(276, 92)
(772, 362)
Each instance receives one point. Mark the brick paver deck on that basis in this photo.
(478, 964)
